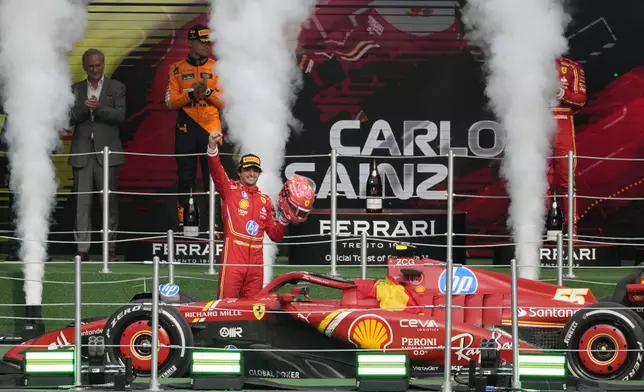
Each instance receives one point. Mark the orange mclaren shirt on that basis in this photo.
(181, 76)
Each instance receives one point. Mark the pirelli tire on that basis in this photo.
(128, 333)
(604, 341)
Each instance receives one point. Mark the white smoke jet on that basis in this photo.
(35, 37)
(254, 43)
(522, 40)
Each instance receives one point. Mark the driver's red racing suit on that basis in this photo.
(246, 214)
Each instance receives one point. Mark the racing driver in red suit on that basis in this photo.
(246, 214)
(571, 95)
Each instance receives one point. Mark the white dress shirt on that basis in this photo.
(96, 92)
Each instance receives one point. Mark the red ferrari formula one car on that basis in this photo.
(285, 329)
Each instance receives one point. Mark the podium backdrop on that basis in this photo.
(424, 227)
(398, 83)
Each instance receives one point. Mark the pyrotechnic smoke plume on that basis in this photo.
(254, 43)
(522, 40)
(35, 36)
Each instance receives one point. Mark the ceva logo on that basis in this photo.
(463, 282)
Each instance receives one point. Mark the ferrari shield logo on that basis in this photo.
(564, 70)
(259, 310)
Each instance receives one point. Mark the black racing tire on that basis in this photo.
(618, 330)
(128, 334)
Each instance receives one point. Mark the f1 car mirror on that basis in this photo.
(301, 291)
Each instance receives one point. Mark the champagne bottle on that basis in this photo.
(554, 223)
(191, 218)
(374, 190)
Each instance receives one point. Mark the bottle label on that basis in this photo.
(374, 204)
(191, 231)
(551, 235)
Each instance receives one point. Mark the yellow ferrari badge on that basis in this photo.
(259, 310)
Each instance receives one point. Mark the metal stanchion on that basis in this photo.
(106, 209)
(363, 255)
(447, 379)
(170, 256)
(560, 259)
(211, 229)
(571, 214)
(154, 366)
(516, 382)
(334, 212)
(77, 322)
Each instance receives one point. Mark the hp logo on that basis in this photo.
(464, 281)
(168, 289)
(252, 227)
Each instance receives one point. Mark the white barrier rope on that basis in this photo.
(63, 193)
(312, 311)
(339, 155)
(598, 237)
(178, 234)
(605, 198)
(83, 242)
(158, 193)
(149, 154)
(62, 232)
(332, 350)
(71, 282)
(609, 158)
(29, 318)
(611, 243)
(193, 239)
(472, 196)
(310, 266)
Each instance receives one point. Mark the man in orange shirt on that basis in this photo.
(571, 95)
(194, 90)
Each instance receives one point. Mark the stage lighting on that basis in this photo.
(542, 366)
(382, 371)
(48, 368)
(223, 369)
(544, 372)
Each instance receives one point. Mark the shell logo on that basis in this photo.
(243, 203)
(370, 331)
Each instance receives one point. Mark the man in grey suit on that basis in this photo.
(98, 111)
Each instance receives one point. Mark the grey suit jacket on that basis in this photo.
(105, 125)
